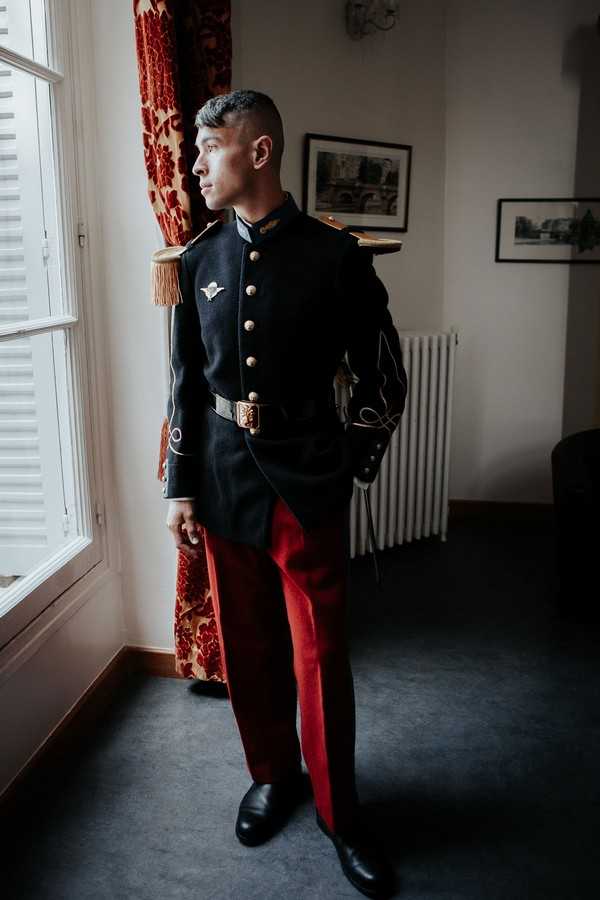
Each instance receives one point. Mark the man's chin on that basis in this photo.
(213, 203)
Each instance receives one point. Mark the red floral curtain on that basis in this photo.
(184, 57)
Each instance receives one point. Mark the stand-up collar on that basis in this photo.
(258, 232)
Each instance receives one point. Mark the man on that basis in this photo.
(260, 466)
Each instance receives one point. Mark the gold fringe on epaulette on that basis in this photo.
(164, 283)
(164, 271)
(164, 276)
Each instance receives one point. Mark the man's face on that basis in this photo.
(223, 165)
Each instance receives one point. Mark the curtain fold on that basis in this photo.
(184, 58)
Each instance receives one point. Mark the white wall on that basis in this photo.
(581, 398)
(136, 331)
(512, 127)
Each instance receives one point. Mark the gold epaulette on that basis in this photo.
(164, 271)
(374, 244)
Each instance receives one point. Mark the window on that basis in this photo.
(49, 536)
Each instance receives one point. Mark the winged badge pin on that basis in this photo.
(211, 290)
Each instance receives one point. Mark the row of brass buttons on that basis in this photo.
(249, 325)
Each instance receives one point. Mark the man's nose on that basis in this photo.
(199, 167)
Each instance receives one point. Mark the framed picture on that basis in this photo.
(362, 183)
(558, 230)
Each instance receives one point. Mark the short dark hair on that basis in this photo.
(253, 105)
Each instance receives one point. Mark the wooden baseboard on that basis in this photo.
(153, 662)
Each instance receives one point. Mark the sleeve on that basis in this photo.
(186, 388)
(374, 356)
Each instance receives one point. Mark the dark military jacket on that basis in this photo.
(268, 312)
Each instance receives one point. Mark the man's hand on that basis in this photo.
(184, 527)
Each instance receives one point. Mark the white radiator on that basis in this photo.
(409, 497)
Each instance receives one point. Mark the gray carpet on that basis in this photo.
(478, 747)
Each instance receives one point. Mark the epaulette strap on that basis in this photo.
(191, 242)
(374, 244)
(164, 271)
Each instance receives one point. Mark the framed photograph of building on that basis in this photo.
(557, 230)
(360, 182)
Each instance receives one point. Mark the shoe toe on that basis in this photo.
(265, 808)
(369, 871)
(250, 827)
(362, 860)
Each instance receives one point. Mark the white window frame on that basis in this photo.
(69, 42)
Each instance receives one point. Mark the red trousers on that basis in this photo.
(281, 622)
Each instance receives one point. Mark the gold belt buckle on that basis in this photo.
(247, 415)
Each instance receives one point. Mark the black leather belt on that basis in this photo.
(272, 419)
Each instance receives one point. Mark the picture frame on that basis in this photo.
(548, 230)
(360, 182)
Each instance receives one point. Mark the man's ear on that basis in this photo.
(263, 150)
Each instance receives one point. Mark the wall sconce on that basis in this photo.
(364, 16)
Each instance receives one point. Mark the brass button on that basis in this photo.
(248, 324)
(253, 396)
(250, 360)
(379, 446)
(254, 430)
(251, 290)
(164, 478)
(254, 255)
(372, 458)
(366, 469)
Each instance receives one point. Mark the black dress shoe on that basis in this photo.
(363, 862)
(265, 808)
